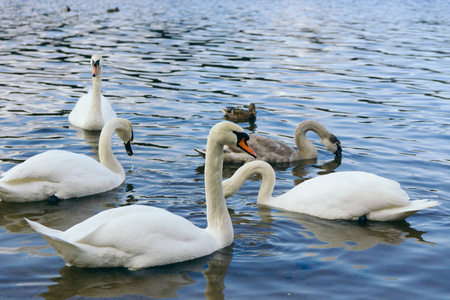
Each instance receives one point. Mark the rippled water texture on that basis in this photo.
(374, 72)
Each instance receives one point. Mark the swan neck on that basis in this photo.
(105, 153)
(96, 94)
(304, 145)
(217, 212)
(234, 183)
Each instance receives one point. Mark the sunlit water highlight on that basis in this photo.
(374, 73)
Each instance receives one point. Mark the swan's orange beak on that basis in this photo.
(95, 67)
(244, 146)
(94, 70)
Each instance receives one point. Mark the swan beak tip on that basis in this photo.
(128, 148)
(244, 146)
(338, 152)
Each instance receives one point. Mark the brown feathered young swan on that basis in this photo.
(345, 195)
(140, 236)
(275, 151)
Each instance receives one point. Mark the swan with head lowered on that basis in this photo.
(92, 110)
(275, 151)
(141, 236)
(58, 174)
(348, 195)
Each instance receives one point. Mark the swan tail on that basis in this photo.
(401, 212)
(54, 238)
(43, 230)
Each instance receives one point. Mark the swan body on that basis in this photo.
(92, 110)
(275, 151)
(141, 236)
(239, 114)
(345, 195)
(66, 174)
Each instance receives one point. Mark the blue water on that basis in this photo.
(375, 73)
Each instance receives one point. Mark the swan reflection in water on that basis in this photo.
(88, 137)
(158, 282)
(256, 233)
(350, 235)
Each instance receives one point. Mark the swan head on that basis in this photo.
(125, 131)
(233, 135)
(333, 145)
(96, 63)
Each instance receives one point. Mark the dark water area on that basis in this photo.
(375, 73)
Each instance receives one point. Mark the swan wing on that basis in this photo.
(54, 166)
(135, 236)
(266, 149)
(56, 172)
(397, 213)
(79, 113)
(108, 112)
(344, 195)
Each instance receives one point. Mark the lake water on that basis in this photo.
(376, 73)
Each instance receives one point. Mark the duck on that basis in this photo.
(274, 151)
(60, 174)
(239, 114)
(93, 110)
(347, 195)
(142, 236)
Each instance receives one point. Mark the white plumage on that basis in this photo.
(92, 110)
(343, 195)
(66, 174)
(141, 236)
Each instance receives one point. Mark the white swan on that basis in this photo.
(274, 151)
(344, 195)
(141, 236)
(64, 174)
(92, 110)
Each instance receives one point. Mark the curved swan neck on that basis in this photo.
(105, 153)
(217, 212)
(304, 145)
(232, 185)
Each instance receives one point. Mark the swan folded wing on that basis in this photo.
(345, 195)
(266, 148)
(69, 174)
(272, 150)
(148, 236)
(74, 253)
(78, 114)
(108, 112)
(397, 213)
(51, 166)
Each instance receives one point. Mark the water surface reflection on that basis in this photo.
(159, 282)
